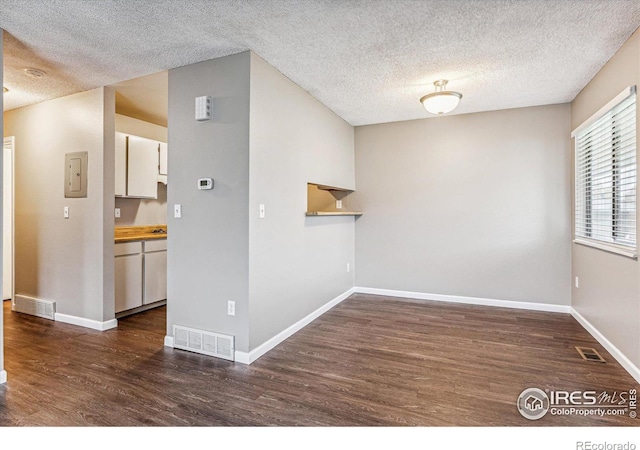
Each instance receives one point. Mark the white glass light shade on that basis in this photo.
(441, 102)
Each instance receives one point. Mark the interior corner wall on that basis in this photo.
(474, 205)
(609, 292)
(296, 263)
(138, 211)
(56, 258)
(108, 197)
(208, 248)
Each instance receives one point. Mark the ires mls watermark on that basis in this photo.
(534, 403)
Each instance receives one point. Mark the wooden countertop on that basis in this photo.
(140, 233)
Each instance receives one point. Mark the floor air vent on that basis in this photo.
(205, 342)
(34, 306)
(590, 354)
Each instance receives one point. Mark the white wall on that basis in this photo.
(296, 263)
(136, 211)
(208, 248)
(266, 140)
(609, 292)
(69, 261)
(473, 205)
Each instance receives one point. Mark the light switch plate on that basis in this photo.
(262, 213)
(66, 212)
(117, 213)
(177, 211)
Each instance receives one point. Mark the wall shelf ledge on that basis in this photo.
(333, 213)
(325, 200)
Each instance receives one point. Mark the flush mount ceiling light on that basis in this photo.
(441, 101)
(34, 73)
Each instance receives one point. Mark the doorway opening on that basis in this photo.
(8, 150)
(140, 188)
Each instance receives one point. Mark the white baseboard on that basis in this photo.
(87, 323)
(243, 357)
(547, 307)
(3, 376)
(625, 362)
(249, 357)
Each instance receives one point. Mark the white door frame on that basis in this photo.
(9, 146)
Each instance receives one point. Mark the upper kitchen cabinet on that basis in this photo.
(142, 167)
(163, 159)
(121, 165)
(137, 164)
(162, 167)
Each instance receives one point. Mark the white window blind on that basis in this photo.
(605, 203)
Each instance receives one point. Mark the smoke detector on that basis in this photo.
(34, 73)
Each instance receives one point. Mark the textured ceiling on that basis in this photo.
(369, 61)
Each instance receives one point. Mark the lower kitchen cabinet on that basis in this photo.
(128, 275)
(140, 273)
(155, 271)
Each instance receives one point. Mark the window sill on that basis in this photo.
(629, 253)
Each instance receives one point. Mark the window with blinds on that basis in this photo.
(605, 203)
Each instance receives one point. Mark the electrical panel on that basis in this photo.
(75, 174)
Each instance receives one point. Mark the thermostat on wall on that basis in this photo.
(205, 183)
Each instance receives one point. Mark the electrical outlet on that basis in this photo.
(66, 212)
(338, 204)
(577, 282)
(117, 213)
(177, 211)
(231, 308)
(348, 267)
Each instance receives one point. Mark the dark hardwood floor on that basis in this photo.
(369, 361)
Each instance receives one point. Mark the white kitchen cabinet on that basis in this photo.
(162, 167)
(155, 271)
(128, 275)
(140, 273)
(137, 166)
(121, 165)
(162, 164)
(142, 167)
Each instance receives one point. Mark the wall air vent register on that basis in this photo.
(205, 342)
